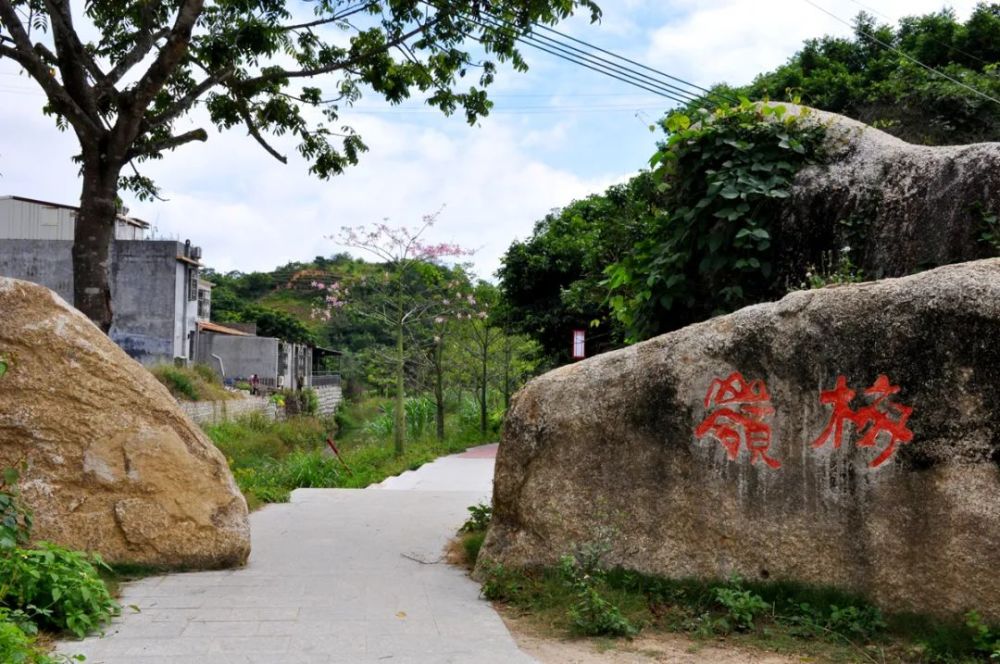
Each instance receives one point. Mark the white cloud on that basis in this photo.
(733, 40)
(249, 212)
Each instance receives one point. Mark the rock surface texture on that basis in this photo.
(111, 464)
(899, 207)
(845, 436)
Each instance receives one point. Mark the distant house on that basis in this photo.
(157, 295)
(236, 353)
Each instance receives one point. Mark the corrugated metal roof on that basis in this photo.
(129, 220)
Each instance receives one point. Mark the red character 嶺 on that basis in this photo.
(875, 416)
(739, 416)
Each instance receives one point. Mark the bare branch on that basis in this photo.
(168, 143)
(142, 46)
(255, 132)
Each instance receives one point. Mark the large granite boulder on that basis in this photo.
(111, 465)
(899, 207)
(847, 436)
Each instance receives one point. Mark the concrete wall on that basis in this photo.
(214, 412)
(45, 262)
(241, 356)
(144, 285)
(148, 290)
(329, 398)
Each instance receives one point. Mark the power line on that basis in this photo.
(590, 60)
(594, 63)
(638, 64)
(904, 54)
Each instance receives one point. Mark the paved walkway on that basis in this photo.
(336, 575)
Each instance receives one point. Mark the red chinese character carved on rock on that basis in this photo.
(875, 416)
(739, 416)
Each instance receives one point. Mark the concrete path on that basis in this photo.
(337, 575)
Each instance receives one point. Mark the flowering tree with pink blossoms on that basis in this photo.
(399, 299)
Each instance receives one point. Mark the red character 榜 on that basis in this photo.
(738, 411)
(878, 417)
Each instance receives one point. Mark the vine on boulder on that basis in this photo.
(724, 176)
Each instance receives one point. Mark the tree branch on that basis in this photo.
(61, 100)
(253, 131)
(139, 50)
(185, 102)
(132, 113)
(73, 60)
(168, 143)
(326, 69)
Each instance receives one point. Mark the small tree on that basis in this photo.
(399, 299)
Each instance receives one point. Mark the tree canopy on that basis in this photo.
(121, 74)
(884, 84)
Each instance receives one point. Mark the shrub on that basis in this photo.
(591, 614)
(198, 383)
(61, 587)
(15, 519)
(479, 519)
(472, 543)
(16, 646)
(742, 606)
(178, 382)
(206, 373)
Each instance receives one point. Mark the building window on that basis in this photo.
(204, 303)
(193, 285)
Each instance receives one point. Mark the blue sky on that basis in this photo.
(557, 133)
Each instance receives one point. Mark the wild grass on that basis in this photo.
(197, 383)
(271, 459)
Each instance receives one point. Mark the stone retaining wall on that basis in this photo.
(330, 397)
(213, 412)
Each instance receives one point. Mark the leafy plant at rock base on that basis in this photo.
(986, 640)
(725, 175)
(591, 614)
(479, 518)
(839, 270)
(15, 518)
(742, 606)
(58, 587)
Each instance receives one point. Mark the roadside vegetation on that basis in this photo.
(270, 459)
(196, 383)
(44, 587)
(584, 598)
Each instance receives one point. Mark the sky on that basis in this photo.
(557, 133)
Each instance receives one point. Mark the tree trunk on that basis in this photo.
(399, 430)
(482, 388)
(95, 228)
(439, 389)
(507, 357)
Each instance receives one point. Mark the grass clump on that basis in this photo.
(197, 383)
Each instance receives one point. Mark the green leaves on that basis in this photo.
(725, 180)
